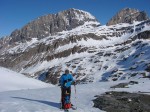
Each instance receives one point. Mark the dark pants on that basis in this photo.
(65, 92)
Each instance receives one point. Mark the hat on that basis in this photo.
(66, 71)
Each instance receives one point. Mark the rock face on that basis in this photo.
(51, 24)
(128, 15)
(123, 102)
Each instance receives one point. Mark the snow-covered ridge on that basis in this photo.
(10, 80)
(98, 46)
(22, 47)
(85, 29)
(86, 14)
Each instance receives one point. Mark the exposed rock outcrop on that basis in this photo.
(128, 15)
(123, 102)
(51, 24)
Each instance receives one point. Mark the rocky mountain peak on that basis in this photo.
(77, 14)
(51, 24)
(128, 15)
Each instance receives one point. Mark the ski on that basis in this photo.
(66, 110)
(74, 108)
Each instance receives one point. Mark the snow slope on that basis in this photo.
(47, 100)
(94, 64)
(10, 80)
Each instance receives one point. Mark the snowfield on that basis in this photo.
(10, 80)
(48, 99)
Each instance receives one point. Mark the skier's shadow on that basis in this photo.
(54, 104)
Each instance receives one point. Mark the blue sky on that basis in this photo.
(14, 14)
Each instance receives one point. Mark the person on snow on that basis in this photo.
(66, 80)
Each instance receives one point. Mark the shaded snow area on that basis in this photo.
(10, 80)
(48, 99)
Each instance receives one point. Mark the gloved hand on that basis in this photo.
(74, 83)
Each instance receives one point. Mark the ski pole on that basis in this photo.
(75, 96)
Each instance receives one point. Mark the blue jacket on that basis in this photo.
(66, 80)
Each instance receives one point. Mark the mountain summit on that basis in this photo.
(52, 23)
(128, 15)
